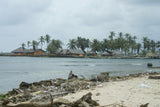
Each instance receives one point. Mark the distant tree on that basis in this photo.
(72, 44)
(82, 43)
(41, 41)
(35, 44)
(145, 39)
(47, 38)
(96, 45)
(23, 45)
(138, 48)
(120, 41)
(158, 45)
(112, 34)
(153, 46)
(105, 44)
(28, 44)
(54, 45)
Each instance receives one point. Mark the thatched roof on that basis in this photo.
(91, 53)
(24, 50)
(19, 50)
(106, 54)
(117, 53)
(70, 51)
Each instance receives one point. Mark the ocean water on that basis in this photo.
(14, 70)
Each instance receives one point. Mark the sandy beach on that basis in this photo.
(133, 90)
(130, 93)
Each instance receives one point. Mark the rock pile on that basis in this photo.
(41, 91)
(85, 101)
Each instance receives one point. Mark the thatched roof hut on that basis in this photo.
(24, 51)
(106, 54)
(117, 53)
(91, 53)
(70, 52)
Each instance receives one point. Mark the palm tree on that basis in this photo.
(120, 41)
(54, 45)
(28, 43)
(72, 44)
(105, 44)
(41, 41)
(158, 46)
(47, 38)
(138, 48)
(127, 35)
(96, 45)
(112, 34)
(145, 39)
(23, 45)
(153, 46)
(82, 43)
(35, 44)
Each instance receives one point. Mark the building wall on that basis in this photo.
(19, 54)
(39, 52)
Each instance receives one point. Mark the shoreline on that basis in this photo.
(42, 88)
(92, 57)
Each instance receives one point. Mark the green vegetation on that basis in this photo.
(2, 96)
(124, 42)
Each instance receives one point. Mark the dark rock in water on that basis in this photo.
(103, 77)
(72, 76)
(149, 64)
(24, 85)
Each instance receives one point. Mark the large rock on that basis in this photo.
(85, 101)
(149, 64)
(154, 77)
(72, 76)
(103, 77)
(24, 85)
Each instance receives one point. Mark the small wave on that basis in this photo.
(77, 65)
(92, 65)
(136, 64)
(14, 72)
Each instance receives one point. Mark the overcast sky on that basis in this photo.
(27, 20)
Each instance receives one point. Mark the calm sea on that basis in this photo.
(14, 70)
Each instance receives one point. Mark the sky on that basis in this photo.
(27, 20)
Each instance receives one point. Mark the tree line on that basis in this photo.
(124, 42)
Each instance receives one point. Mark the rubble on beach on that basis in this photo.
(47, 90)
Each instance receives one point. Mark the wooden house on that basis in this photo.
(23, 51)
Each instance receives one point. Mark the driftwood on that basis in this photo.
(85, 101)
(61, 93)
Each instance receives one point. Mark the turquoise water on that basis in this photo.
(14, 70)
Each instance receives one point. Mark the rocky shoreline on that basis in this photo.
(42, 94)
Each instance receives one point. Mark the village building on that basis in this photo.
(106, 54)
(91, 53)
(23, 51)
(117, 53)
(70, 52)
